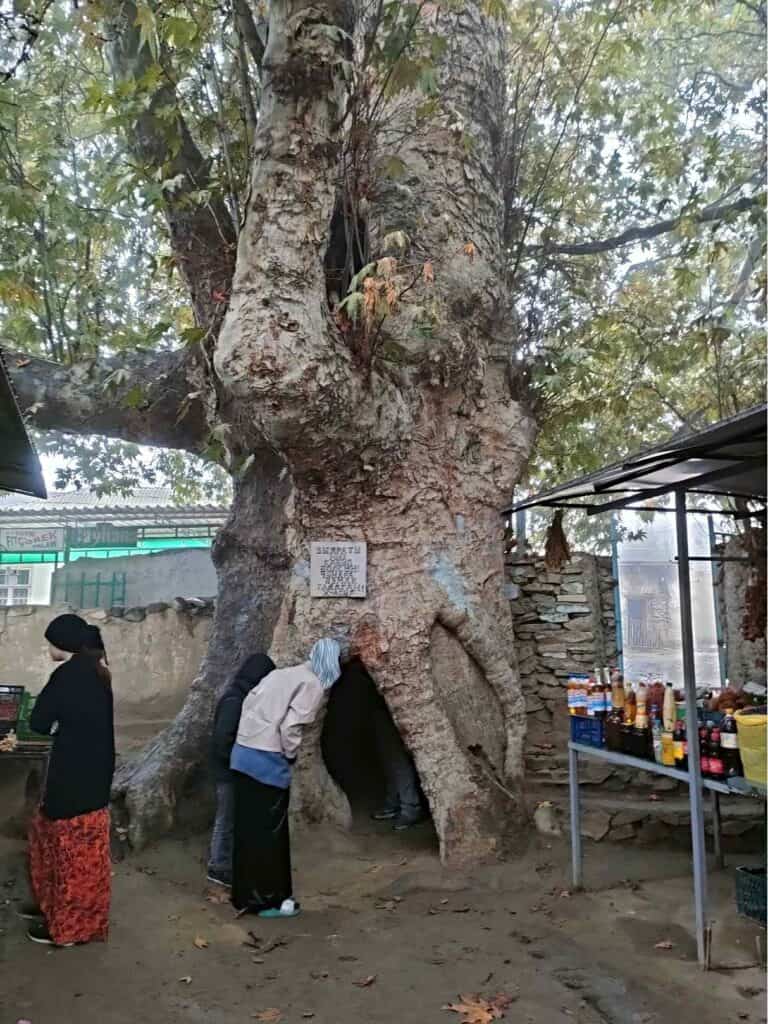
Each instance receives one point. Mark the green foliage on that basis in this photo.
(620, 115)
(624, 115)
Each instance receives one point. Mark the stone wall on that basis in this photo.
(154, 654)
(564, 622)
(156, 576)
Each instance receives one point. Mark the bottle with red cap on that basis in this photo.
(716, 767)
(729, 742)
(704, 750)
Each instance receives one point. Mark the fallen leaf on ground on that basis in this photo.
(366, 982)
(666, 944)
(318, 975)
(387, 905)
(270, 1016)
(476, 1010)
(201, 943)
(186, 980)
(348, 959)
(565, 894)
(217, 897)
(308, 1015)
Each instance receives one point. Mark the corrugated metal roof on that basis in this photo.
(71, 501)
(147, 506)
(726, 459)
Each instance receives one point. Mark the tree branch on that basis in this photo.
(248, 30)
(203, 234)
(139, 397)
(709, 215)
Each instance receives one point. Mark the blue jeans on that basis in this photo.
(220, 857)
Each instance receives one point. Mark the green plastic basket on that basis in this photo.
(22, 726)
(751, 893)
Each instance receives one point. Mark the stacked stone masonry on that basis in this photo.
(564, 622)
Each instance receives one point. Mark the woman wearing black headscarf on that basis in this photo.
(70, 866)
(225, 724)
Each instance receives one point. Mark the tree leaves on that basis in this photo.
(147, 25)
(477, 1010)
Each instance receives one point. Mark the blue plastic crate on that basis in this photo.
(588, 731)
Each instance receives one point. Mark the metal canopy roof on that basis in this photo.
(728, 458)
(19, 465)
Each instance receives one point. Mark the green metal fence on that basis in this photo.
(82, 590)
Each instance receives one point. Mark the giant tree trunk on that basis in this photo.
(401, 431)
(251, 563)
(435, 630)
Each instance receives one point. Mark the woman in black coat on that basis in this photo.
(70, 866)
(225, 723)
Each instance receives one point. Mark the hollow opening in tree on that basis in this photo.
(364, 752)
(347, 251)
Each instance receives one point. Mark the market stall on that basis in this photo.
(19, 746)
(727, 459)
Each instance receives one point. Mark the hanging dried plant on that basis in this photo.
(556, 550)
(753, 623)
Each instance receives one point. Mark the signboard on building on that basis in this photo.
(338, 568)
(44, 538)
(102, 535)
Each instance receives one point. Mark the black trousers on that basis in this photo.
(261, 863)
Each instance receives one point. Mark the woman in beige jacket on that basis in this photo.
(272, 721)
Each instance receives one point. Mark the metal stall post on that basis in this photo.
(717, 568)
(573, 785)
(617, 592)
(694, 762)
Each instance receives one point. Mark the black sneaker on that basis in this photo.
(30, 912)
(220, 878)
(405, 821)
(39, 933)
(386, 814)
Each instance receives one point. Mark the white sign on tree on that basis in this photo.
(338, 568)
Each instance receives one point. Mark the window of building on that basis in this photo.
(21, 595)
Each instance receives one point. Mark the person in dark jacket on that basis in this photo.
(70, 867)
(225, 723)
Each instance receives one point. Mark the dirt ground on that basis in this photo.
(379, 906)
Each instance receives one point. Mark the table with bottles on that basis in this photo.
(645, 728)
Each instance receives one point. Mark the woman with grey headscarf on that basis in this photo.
(272, 722)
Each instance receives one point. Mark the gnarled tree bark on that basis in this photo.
(407, 438)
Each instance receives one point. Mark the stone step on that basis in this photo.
(627, 817)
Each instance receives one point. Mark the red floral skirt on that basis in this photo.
(71, 873)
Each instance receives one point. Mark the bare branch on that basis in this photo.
(140, 396)
(709, 215)
(248, 30)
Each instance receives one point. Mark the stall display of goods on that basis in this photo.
(15, 734)
(10, 703)
(647, 720)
